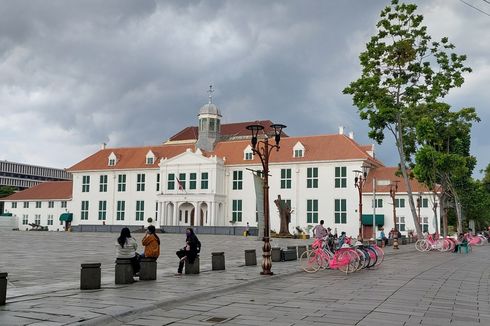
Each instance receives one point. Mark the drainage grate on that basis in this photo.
(216, 319)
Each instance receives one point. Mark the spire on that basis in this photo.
(211, 91)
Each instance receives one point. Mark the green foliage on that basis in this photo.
(6, 191)
(401, 70)
(476, 203)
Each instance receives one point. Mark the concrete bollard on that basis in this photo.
(295, 250)
(301, 250)
(3, 288)
(218, 261)
(250, 257)
(276, 254)
(124, 271)
(90, 275)
(192, 268)
(148, 270)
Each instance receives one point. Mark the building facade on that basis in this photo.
(202, 176)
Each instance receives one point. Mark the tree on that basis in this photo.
(443, 159)
(401, 71)
(6, 191)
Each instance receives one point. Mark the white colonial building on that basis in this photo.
(203, 176)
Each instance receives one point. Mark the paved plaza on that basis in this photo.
(410, 288)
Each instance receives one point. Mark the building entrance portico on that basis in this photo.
(189, 213)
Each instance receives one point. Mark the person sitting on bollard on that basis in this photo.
(126, 247)
(382, 236)
(341, 239)
(151, 242)
(190, 251)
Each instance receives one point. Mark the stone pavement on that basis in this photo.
(410, 287)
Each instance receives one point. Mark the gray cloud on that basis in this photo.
(74, 74)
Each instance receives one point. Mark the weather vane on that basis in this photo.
(211, 91)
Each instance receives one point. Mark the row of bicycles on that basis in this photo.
(447, 244)
(347, 259)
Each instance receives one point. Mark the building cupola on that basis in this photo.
(209, 124)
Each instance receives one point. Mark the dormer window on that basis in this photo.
(112, 160)
(298, 150)
(248, 154)
(150, 157)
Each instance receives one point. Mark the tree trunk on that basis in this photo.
(459, 215)
(399, 145)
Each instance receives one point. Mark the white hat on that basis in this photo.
(358, 243)
(345, 245)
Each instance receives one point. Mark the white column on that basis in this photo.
(198, 213)
(212, 213)
(176, 215)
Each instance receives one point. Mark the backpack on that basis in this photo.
(198, 246)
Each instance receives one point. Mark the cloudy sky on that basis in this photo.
(75, 74)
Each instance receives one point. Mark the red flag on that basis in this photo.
(180, 184)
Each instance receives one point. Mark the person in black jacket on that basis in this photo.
(190, 251)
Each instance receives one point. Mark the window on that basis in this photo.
(158, 181)
(25, 219)
(14, 204)
(140, 182)
(85, 183)
(63, 204)
(237, 180)
(248, 156)
(103, 183)
(425, 224)
(285, 178)
(181, 181)
(121, 204)
(425, 202)
(102, 210)
(38, 204)
(400, 223)
(298, 153)
(204, 180)
(112, 161)
(140, 210)
(171, 181)
(312, 211)
(149, 160)
(379, 203)
(156, 210)
(37, 219)
(237, 210)
(26, 204)
(298, 150)
(192, 181)
(400, 202)
(312, 178)
(50, 204)
(340, 177)
(50, 219)
(340, 211)
(121, 182)
(84, 210)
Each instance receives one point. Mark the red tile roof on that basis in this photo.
(317, 148)
(227, 130)
(385, 175)
(45, 190)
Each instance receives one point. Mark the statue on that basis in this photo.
(285, 216)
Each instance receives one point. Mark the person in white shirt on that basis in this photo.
(126, 247)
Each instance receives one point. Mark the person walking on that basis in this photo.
(126, 247)
(247, 230)
(151, 242)
(190, 251)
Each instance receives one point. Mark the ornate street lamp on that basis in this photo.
(263, 149)
(359, 180)
(393, 190)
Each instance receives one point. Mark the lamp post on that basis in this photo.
(393, 190)
(419, 204)
(359, 181)
(263, 149)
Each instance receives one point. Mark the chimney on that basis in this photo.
(103, 146)
(351, 134)
(341, 130)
